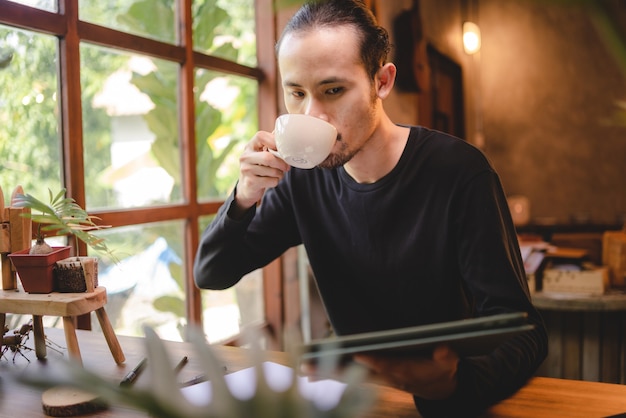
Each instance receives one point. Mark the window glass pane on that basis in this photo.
(130, 129)
(225, 28)
(225, 312)
(148, 18)
(48, 5)
(30, 143)
(146, 286)
(226, 118)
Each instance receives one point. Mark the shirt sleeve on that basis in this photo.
(218, 263)
(233, 247)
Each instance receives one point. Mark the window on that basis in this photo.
(140, 108)
(29, 107)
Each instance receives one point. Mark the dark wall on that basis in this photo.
(549, 87)
(545, 86)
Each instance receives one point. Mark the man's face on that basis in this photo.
(323, 76)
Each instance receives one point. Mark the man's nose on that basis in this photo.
(316, 109)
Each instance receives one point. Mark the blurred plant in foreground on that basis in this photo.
(164, 398)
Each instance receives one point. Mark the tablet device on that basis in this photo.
(467, 337)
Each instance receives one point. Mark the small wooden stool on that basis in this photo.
(66, 305)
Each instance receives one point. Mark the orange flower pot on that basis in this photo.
(36, 271)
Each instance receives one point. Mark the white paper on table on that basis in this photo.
(325, 393)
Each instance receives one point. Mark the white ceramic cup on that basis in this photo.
(303, 141)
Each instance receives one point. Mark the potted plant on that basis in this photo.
(61, 216)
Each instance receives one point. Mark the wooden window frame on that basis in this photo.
(70, 31)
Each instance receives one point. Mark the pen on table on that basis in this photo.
(197, 379)
(130, 378)
(194, 380)
(180, 364)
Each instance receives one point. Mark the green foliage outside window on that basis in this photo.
(211, 123)
(236, 124)
(30, 119)
(29, 132)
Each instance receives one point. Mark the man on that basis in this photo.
(402, 225)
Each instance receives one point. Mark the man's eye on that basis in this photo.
(297, 94)
(334, 90)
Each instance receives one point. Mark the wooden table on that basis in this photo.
(542, 397)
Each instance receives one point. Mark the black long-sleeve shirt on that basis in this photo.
(432, 241)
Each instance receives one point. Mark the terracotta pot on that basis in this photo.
(36, 271)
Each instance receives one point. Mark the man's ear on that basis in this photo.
(385, 80)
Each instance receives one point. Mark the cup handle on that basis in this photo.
(276, 153)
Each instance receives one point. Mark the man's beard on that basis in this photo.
(339, 158)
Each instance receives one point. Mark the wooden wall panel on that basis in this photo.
(586, 346)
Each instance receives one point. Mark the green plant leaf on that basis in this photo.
(63, 216)
(152, 16)
(171, 304)
(207, 19)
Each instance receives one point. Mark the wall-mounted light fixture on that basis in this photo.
(471, 38)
